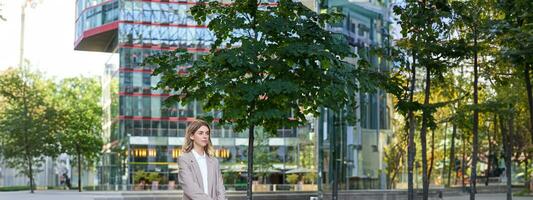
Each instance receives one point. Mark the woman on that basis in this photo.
(199, 172)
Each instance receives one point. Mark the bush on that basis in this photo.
(292, 178)
(15, 188)
(310, 178)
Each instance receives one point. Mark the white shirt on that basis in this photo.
(202, 162)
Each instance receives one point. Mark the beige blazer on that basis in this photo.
(190, 179)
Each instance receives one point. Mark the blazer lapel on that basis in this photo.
(210, 174)
(196, 169)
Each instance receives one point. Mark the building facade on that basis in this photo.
(351, 155)
(143, 137)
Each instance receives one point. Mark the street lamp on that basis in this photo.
(32, 4)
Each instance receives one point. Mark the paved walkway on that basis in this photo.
(45, 195)
(498, 196)
(72, 195)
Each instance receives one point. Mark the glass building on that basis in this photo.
(142, 136)
(351, 155)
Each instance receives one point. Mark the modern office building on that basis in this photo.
(352, 154)
(141, 134)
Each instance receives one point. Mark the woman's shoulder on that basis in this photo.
(184, 156)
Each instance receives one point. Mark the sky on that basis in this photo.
(49, 40)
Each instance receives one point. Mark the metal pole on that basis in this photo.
(22, 22)
(128, 176)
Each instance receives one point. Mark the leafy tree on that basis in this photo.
(269, 66)
(514, 35)
(394, 153)
(82, 121)
(28, 121)
(425, 30)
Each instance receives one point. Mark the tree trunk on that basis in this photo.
(526, 174)
(30, 166)
(423, 140)
(452, 153)
(506, 139)
(432, 155)
(27, 115)
(510, 154)
(489, 163)
(79, 169)
(252, 10)
(475, 146)
(445, 132)
(530, 103)
(463, 163)
(529, 99)
(250, 161)
(411, 148)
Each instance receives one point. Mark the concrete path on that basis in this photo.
(45, 195)
(72, 195)
(498, 196)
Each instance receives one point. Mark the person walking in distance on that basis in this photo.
(199, 172)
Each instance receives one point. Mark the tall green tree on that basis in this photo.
(269, 66)
(425, 30)
(515, 37)
(28, 121)
(472, 19)
(81, 121)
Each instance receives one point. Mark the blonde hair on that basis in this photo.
(192, 127)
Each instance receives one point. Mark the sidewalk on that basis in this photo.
(498, 196)
(46, 195)
(73, 195)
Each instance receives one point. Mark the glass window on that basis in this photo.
(146, 12)
(146, 128)
(128, 11)
(373, 111)
(173, 129)
(181, 129)
(155, 128)
(128, 111)
(137, 79)
(137, 10)
(137, 104)
(156, 12)
(137, 127)
(122, 105)
(165, 12)
(181, 14)
(164, 128)
(146, 34)
(364, 111)
(146, 106)
(156, 106)
(129, 127)
(146, 79)
(137, 34)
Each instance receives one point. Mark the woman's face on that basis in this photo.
(201, 137)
